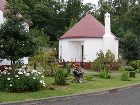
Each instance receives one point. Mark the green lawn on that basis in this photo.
(91, 83)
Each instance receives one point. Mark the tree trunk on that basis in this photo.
(13, 66)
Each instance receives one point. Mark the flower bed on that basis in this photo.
(21, 80)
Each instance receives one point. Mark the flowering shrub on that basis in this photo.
(105, 60)
(77, 73)
(49, 70)
(21, 80)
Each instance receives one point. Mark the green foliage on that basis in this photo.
(129, 68)
(125, 76)
(105, 74)
(21, 81)
(50, 70)
(72, 23)
(131, 71)
(39, 37)
(68, 69)
(105, 60)
(43, 58)
(60, 77)
(130, 47)
(132, 74)
(135, 64)
(16, 42)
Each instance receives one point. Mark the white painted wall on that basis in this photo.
(71, 48)
(92, 47)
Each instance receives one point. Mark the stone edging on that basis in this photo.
(69, 97)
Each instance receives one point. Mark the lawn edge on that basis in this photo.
(72, 96)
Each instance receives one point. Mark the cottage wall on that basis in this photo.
(70, 49)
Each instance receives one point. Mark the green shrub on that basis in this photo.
(134, 64)
(125, 76)
(60, 76)
(49, 70)
(105, 60)
(21, 81)
(122, 68)
(104, 74)
(129, 68)
(68, 69)
(138, 70)
(132, 74)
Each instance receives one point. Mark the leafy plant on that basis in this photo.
(105, 60)
(49, 70)
(68, 69)
(132, 74)
(135, 64)
(125, 76)
(104, 74)
(60, 77)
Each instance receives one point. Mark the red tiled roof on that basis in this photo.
(2, 5)
(88, 27)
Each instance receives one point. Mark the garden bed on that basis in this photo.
(91, 83)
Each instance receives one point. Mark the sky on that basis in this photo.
(91, 1)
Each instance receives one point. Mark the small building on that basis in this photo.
(85, 39)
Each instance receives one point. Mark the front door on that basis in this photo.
(82, 55)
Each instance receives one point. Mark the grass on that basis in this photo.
(91, 83)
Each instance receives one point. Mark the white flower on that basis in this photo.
(10, 85)
(27, 74)
(33, 77)
(23, 66)
(6, 68)
(4, 72)
(10, 68)
(16, 76)
(8, 79)
(39, 73)
(20, 72)
(42, 76)
(8, 73)
(41, 81)
(34, 71)
(44, 84)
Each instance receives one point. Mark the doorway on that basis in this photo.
(82, 55)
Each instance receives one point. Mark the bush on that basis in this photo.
(105, 60)
(21, 81)
(135, 64)
(132, 74)
(104, 74)
(60, 76)
(125, 76)
(68, 69)
(49, 70)
(129, 68)
(131, 71)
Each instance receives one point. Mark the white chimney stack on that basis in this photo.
(1, 17)
(107, 24)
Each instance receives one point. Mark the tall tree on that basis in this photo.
(129, 44)
(73, 10)
(15, 41)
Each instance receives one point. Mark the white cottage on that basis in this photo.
(2, 20)
(82, 42)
